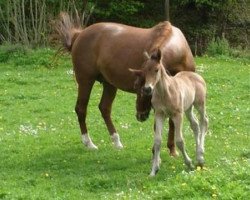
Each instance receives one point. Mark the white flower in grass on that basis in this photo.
(70, 72)
(125, 125)
(27, 129)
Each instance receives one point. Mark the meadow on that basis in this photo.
(42, 157)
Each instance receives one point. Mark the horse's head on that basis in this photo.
(145, 81)
(143, 102)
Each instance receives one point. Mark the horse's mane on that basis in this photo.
(161, 33)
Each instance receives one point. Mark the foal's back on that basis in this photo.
(192, 86)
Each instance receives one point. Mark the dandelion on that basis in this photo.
(183, 184)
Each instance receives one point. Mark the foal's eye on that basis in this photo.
(156, 70)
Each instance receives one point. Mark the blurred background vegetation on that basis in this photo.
(211, 27)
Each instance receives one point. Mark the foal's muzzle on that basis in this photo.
(147, 91)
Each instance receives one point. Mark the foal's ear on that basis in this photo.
(146, 56)
(156, 55)
(136, 72)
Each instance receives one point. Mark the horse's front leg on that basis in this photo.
(171, 141)
(105, 106)
(159, 120)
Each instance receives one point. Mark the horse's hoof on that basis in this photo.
(118, 146)
(116, 140)
(91, 146)
(86, 140)
(174, 153)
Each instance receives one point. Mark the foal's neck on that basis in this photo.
(163, 84)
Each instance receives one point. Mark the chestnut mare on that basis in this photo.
(105, 51)
(172, 97)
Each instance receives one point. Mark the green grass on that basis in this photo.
(41, 155)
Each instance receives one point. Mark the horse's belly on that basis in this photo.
(121, 79)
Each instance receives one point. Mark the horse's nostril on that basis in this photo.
(142, 116)
(147, 90)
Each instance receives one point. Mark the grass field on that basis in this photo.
(41, 155)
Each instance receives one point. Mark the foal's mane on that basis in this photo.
(161, 33)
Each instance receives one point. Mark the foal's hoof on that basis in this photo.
(191, 167)
(200, 165)
(153, 173)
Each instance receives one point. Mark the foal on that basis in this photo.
(172, 96)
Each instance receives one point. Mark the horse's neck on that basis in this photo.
(164, 83)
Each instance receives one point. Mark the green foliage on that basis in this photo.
(19, 55)
(218, 47)
(117, 11)
(42, 156)
(8, 51)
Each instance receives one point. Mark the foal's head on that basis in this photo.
(150, 72)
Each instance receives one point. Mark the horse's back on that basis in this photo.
(109, 49)
(177, 55)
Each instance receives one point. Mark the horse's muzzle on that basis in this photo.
(147, 91)
(142, 116)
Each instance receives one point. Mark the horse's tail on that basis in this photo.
(66, 30)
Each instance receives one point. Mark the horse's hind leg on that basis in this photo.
(195, 127)
(105, 106)
(177, 119)
(84, 90)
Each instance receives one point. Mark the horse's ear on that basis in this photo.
(136, 72)
(156, 55)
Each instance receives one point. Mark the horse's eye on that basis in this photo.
(156, 70)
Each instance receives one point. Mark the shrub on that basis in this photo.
(19, 55)
(218, 47)
(7, 51)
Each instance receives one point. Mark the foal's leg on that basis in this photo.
(84, 89)
(203, 128)
(177, 119)
(195, 127)
(105, 106)
(171, 143)
(159, 120)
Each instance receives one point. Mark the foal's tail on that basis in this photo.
(66, 30)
